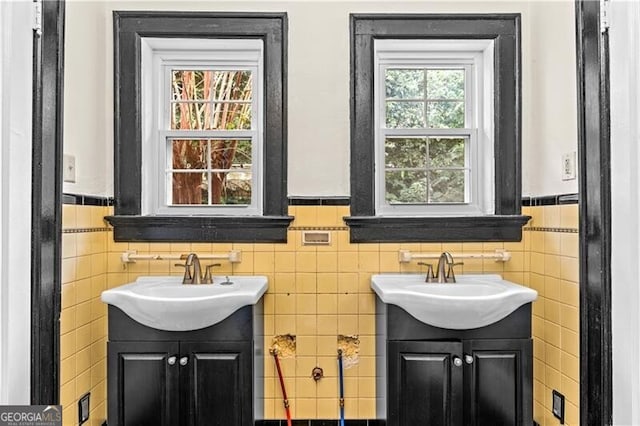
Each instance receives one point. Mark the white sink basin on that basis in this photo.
(166, 304)
(473, 301)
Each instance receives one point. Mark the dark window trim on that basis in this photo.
(129, 27)
(596, 390)
(505, 30)
(375, 229)
(46, 219)
(264, 229)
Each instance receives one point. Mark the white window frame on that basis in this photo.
(159, 57)
(476, 57)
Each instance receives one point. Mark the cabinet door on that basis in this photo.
(498, 382)
(425, 383)
(217, 389)
(143, 377)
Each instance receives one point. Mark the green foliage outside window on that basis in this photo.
(425, 169)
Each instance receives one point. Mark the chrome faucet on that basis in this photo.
(444, 270)
(193, 271)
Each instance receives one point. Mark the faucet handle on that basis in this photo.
(450, 274)
(188, 278)
(207, 278)
(430, 275)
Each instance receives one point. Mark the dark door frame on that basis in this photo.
(46, 213)
(596, 393)
(595, 216)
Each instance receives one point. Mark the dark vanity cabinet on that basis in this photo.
(459, 377)
(189, 378)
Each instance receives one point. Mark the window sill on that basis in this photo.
(375, 229)
(245, 229)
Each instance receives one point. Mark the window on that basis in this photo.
(203, 150)
(200, 116)
(435, 128)
(434, 148)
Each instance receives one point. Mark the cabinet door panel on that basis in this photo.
(218, 383)
(141, 384)
(499, 382)
(425, 387)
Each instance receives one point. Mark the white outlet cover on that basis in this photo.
(569, 166)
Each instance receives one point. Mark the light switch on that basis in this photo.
(69, 168)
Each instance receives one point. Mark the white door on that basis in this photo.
(16, 37)
(624, 46)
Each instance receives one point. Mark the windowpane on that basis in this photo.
(405, 114)
(404, 84)
(210, 116)
(446, 152)
(189, 188)
(405, 152)
(210, 85)
(190, 116)
(188, 154)
(229, 171)
(447, 186)
(232, 187)
(227, 154)
(445, 115)
(404, 187)
(445, 84)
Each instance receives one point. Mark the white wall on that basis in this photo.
(625, 199)
(87, 114)
(550, 107)
(318, 87)
(15, 192)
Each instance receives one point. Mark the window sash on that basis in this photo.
(165, 187)
(470, 168)
(212, 65)
(414, 55)
(158, 174)
(427, 65)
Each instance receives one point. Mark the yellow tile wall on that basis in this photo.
(83, 320)
(556, 321)
(317, 293)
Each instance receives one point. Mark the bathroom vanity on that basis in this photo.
(462, 375)
(458, 377)
(183, 376)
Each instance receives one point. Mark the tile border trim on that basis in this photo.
(85, 230)
(318, 228)
(550, 200)
(544, 229)
(87, 200)
(326, 201)
(546, 200)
